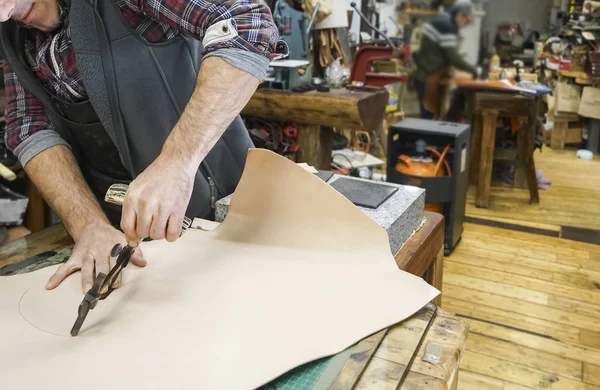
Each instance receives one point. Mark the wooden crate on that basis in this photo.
(563, 133)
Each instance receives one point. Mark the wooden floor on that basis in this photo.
(573, 199)
(532, 301)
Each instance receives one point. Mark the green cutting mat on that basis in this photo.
(316, 375)
(301, 378)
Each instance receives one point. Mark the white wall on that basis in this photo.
(532, 12)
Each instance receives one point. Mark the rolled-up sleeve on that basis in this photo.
(242, 32)
(28, 128)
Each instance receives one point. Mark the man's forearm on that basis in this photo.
(459, 61)
(57, 176)
(221, 92)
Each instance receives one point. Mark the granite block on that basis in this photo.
(401, 215)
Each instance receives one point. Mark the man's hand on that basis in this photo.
(156, 201)
(92, 250)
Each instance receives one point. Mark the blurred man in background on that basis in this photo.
(438, 54)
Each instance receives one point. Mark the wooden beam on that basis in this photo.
(507, 104)
(316, 144)
(341, 108)
(420, 252)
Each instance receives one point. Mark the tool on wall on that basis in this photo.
(330, 47)
(421, 164)
(103, 283)
(295, 72)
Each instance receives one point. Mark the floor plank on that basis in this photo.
(524, 356)
(497, 368)
(590, 339)
(571, 200)
(591, 374)
(565, 333)
(489, 294)
(529, 240)
(514, 386)
(468, 380)
(531, 297)
(555, 347)
(574, 293)
(472, 282)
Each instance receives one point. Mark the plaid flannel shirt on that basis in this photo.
(52, 58)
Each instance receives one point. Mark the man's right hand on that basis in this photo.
(92, 248)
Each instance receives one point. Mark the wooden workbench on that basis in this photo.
(385, 355)
(315, 114)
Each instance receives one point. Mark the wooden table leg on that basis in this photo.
(475, 148)
(316, 145)
(486, 160)
(520, 179)
(529, 148)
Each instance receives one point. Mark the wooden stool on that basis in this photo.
(486, 108)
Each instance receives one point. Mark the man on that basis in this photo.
(145, 92)
(437, 53)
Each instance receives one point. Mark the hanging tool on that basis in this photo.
(295, 72)
(103, 283)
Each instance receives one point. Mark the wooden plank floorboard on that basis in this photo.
(523, 282)
(472, 381)
(589, 339)
(532, 300)
(571, 200)
(591, 374)
(497, 368)
(532, 306)
(527, 357)
(566, 333)
(456, 274)
(574, 293)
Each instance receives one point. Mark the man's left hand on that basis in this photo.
(156, 201)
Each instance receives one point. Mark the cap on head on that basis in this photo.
(465, 7)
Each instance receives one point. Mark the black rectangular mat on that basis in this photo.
(363, 193)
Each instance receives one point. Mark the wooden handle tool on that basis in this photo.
(116, 195)
(6, 173)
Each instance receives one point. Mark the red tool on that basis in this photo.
(290, 132)
(367, 54)
(364, 58)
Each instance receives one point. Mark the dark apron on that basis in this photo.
(95, 152)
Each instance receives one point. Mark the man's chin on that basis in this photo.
(44, 28)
